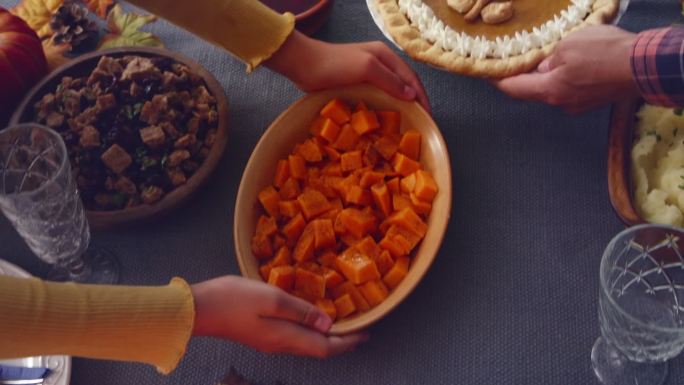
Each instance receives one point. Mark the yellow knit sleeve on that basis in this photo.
(145, 324)
(246, 28)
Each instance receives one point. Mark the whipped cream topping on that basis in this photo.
(479, 47)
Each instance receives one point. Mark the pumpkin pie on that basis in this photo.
(434, 32)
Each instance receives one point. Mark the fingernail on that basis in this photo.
(323, 323)
(544, 66)
(409, 92)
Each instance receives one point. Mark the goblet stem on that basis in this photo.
(96, 266)
(613, 368)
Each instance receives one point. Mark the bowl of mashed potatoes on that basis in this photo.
(646, 163)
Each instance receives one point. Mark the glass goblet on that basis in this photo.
(641, 305)
(39, 197)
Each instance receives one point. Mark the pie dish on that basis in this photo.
(430, 31)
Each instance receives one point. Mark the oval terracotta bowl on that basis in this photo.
(82, 66)
(290, 128)
(620, 142)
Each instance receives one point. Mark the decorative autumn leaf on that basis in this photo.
(37, 14)
(99, 7)
(54, 53)
(124, 30)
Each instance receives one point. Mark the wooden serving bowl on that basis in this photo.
(620, 143)
(82, 66)
(292, 127)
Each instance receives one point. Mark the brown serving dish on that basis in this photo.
(82, 66)
(310, 15)
(620, 142)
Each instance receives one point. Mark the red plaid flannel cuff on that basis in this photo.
(658, 66)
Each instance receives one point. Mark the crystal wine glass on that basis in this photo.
(39, 197)
(641, 305)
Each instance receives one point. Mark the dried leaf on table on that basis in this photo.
(99, 7)
(54, 53)
(37, 14)
(124, 30)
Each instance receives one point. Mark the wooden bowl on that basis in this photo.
(82, 66)
(290, 128)
(620, 143)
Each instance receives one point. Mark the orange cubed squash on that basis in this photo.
(306, 244)
(282, 173)
(382, 198)
(408, 219)
(297, 166)
(404, 165)
(403, 237)
(394, 248)
(400, 202)
(347, 139)
(352, 160)
(397, 273)
(327, 258)
(393, 185)
(283, 257)
(290, 189)
(266, 226)
(374, 292)
(356, 267)
(282, 277)
(324, 234)
(419, 205)
(316, 125)
(358, 196)
(386, 147)
(309, 283)
(330, 130)
(370, 178)
(364, 122)
(408, 184)
(345, 305)
(261, 246)
(294, 228)
(384, 262)
(332, 278)
(350, 289)
(313, 203)
(367, 246)
(265, 271)
(390, 122)
(278, 242)
(346, 184)
(332, 169)
(337, 110)
(410, 144)
(269, 199)
(328, 306)
(357, 222)
(333, 154)
(426, 187)
(288, 208)
(360, 106)
(310, 151)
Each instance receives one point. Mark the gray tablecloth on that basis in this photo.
(512, 296)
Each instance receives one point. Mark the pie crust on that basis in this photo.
(410, 38)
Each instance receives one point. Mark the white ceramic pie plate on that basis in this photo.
(60, 366)
(375, 14)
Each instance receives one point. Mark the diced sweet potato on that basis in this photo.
(348, 288)
(282, 173)
(328, 306)
(408, 184)
(346, 184)
(356, 267)
(304, 249)
(316, 126)
(310, 151)
(269, 199)
(404, 165)
(337, 110)
(330, 130)
(397, 273)
(324, 234)
(384, 262)
(426, 187)
(360, 106)
(261, 246)
(400, 202)
(282, 277)
(358, 196)
(327, 258)
(290, 189)
(283, 257)
(347, 138)
(278, 241)
(404, 237)
(332, 169)
(265, 271)
(395, 249)
(266, 226)
(313, 203)
(374, 292)
(357, 222)
(332, 278)
(333, 154)
(393, 186)
(294, 228)
(352, 160)
(309, 283)
(390, 122)
(420, 206)
(345, 305)
(364, 122)
(382, 198)
(368, 247)
(386, 147)
(410, 144)
(288, 208)
(370, 178)
(408, 219)
(297, 166)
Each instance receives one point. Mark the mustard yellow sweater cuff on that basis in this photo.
(246, 28)
(145, 324)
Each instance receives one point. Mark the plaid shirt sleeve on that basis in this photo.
(658, 66)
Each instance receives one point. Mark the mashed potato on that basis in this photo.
(658, 165)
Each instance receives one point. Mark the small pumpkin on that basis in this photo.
(22, 62)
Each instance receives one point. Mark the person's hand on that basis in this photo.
(265, 318)
(588, 69)
(315, 65)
